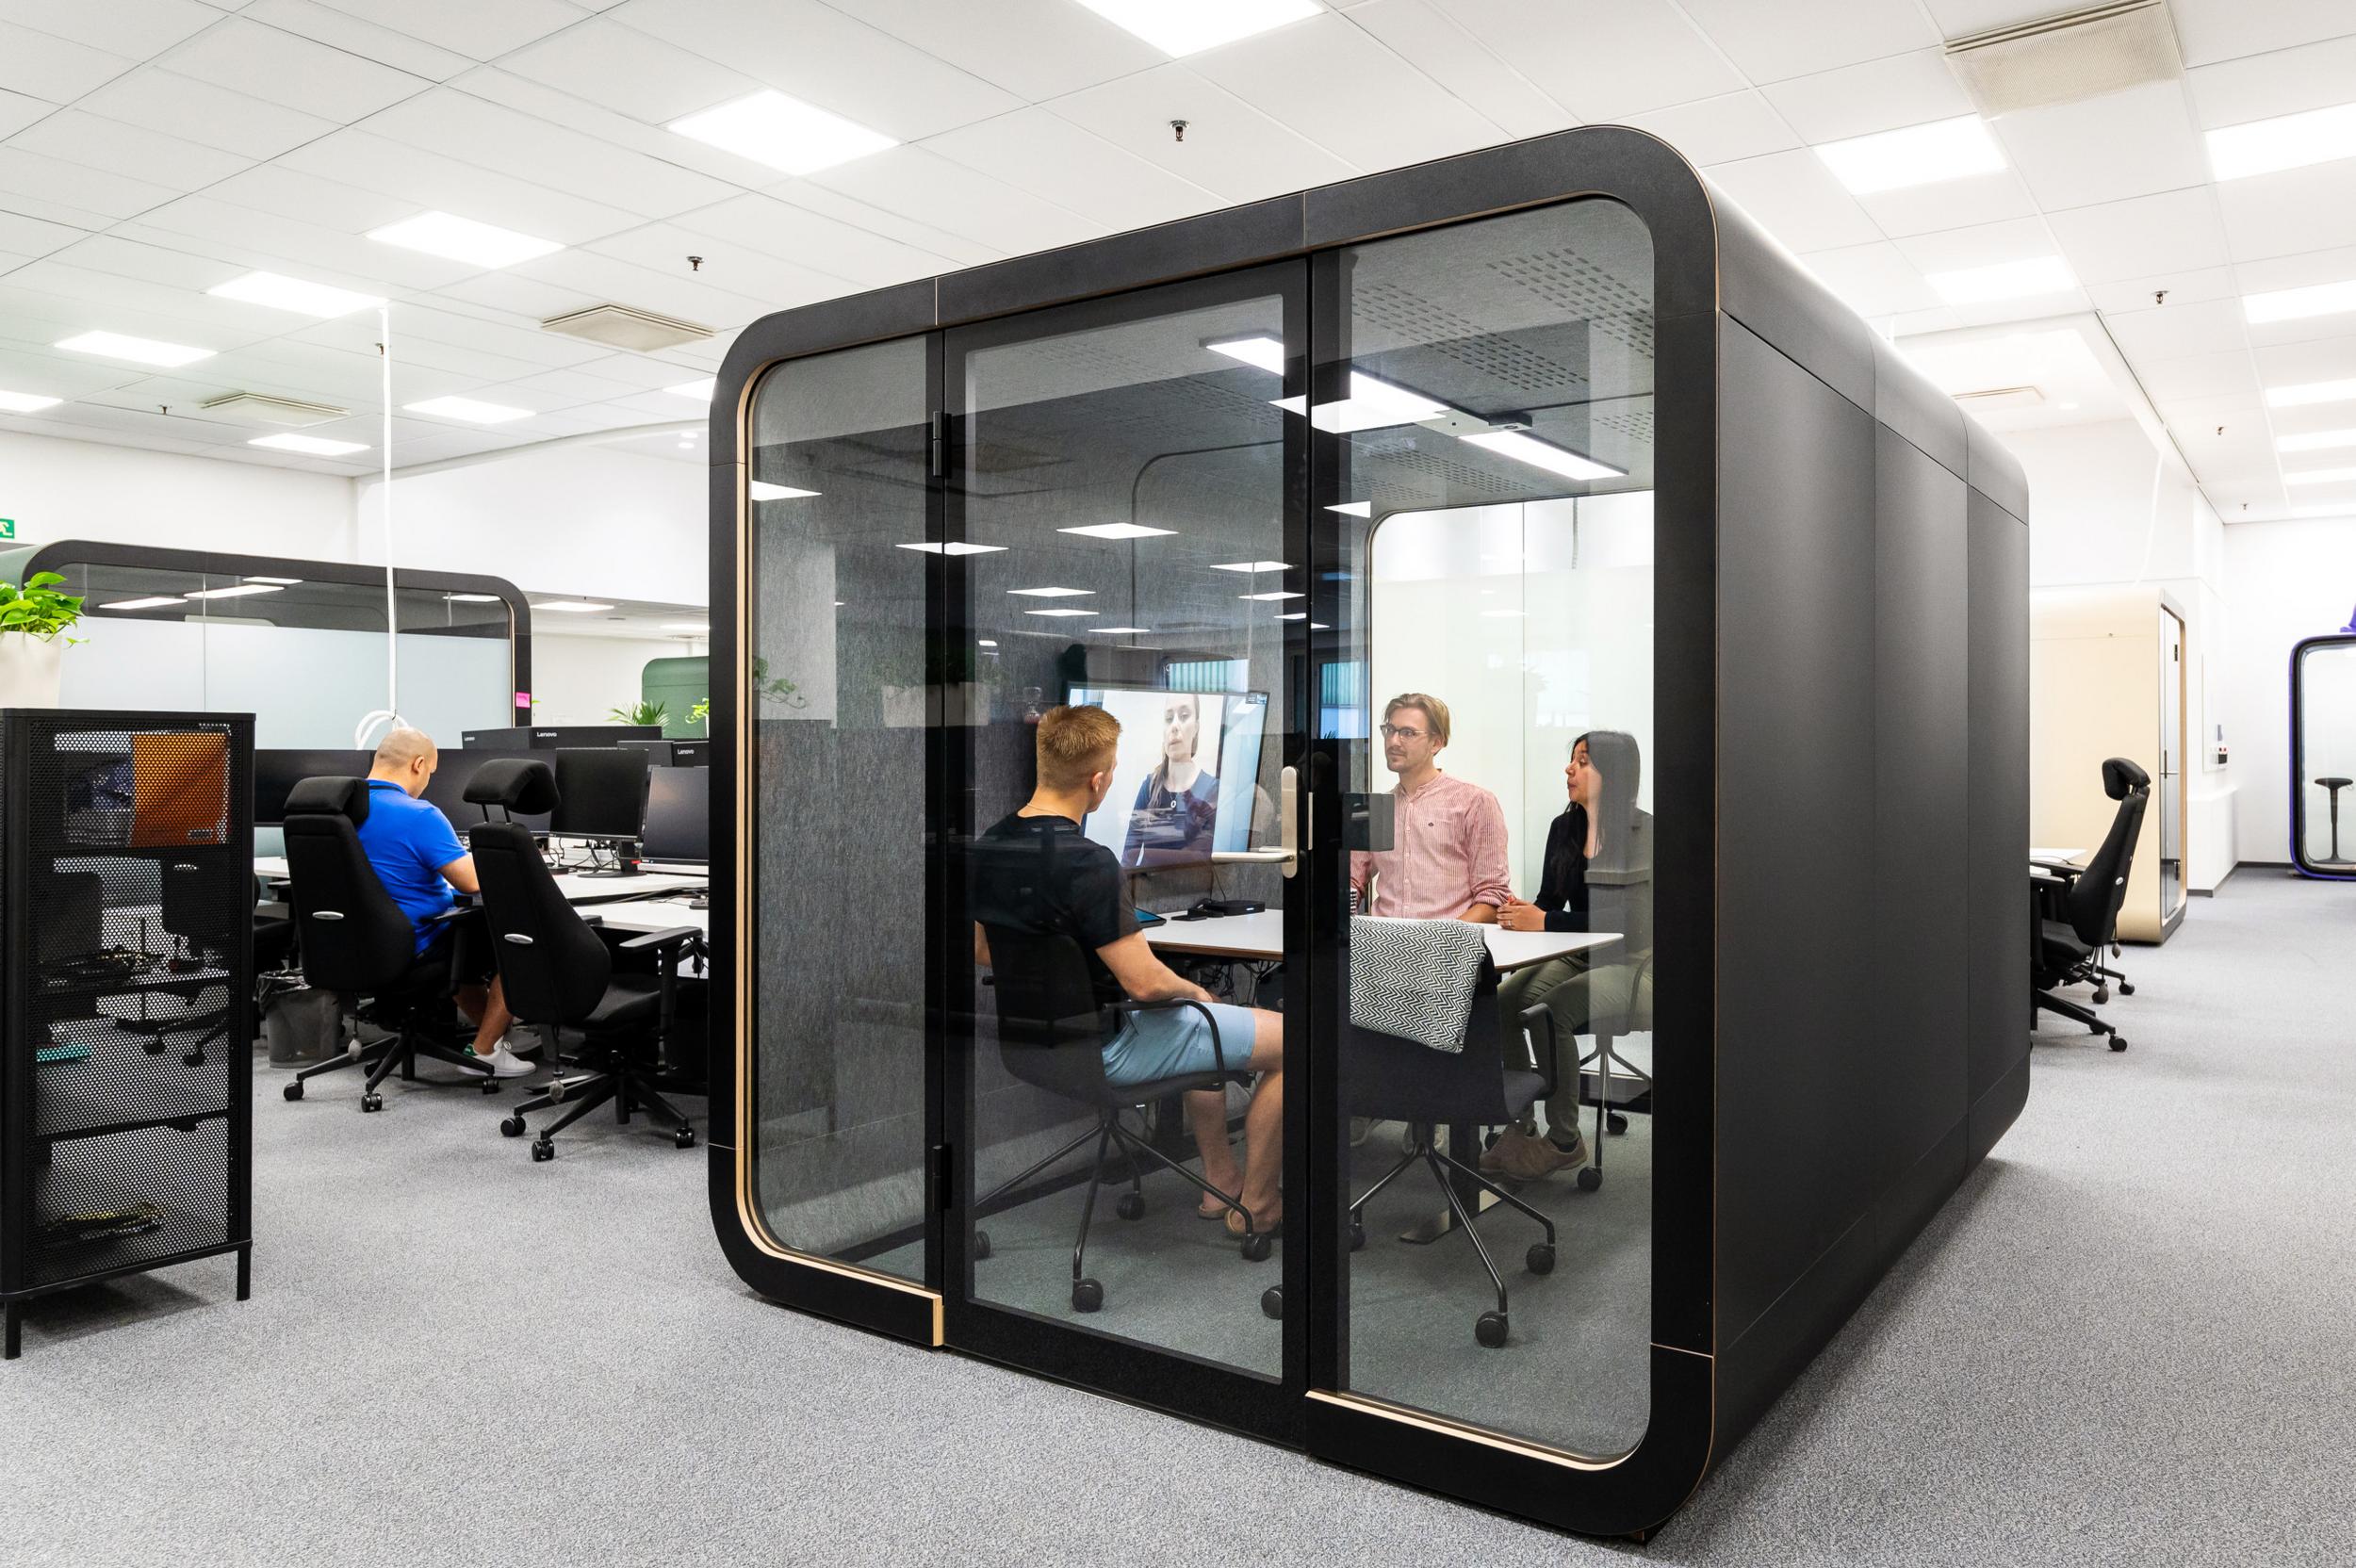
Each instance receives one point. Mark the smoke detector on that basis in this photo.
(622, 326)
(255, 408)
(2063, 58)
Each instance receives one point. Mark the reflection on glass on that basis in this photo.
(837, 787)
(1112, 471)
(1489, 668)
(2326, 756)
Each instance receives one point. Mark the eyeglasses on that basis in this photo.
(1400, 732)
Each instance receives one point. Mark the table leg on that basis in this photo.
(1464, 1145)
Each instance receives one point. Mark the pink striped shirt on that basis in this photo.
(1450, 854)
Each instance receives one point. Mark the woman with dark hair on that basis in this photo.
(1596, 875)
(1178, 801)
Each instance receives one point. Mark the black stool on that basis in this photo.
(2335, 786)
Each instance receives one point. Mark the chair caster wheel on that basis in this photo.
(1589, 1178)
(1256, 1248)
(1615, 1123)
(1357, 1235)
(2102, 994)
(1490, 1330)
(981, 1245)
(513, 1127)
(293, 1091)
(1272, 1302)
(194, 1059)
(684, 1137)
(2117, 1043)
(371, 1102)
(542, 1150)
(1540, 1257)
(2126, 990)
(1132, 1206)
(1087, 1295)
(490, 1085)
(153, 1048)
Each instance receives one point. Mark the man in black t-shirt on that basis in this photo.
(1036, 873)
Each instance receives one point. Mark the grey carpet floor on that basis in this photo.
(2129, 1340)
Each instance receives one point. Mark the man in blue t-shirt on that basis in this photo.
(419, 859)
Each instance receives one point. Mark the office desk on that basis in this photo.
(576, 888)
(1260, 938)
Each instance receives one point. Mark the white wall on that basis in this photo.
(583, 520)
(580, 679)
(2107, 506)
(58, 489)
(2283, 582)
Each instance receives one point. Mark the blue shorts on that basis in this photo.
(1175, 1042)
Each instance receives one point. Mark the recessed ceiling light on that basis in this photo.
(2311, 392)
(1354, 509)
(317, 446)
(2316, 441)
(2292, 304)
(784, 133)
(2320, 476)
(1121, 630)
(26, 403)
(468, 409)
(1183, 26)
(1278, 594)
(2006, 280)
(281, 581)
(155, 602)
(570, 607)
(139, 351)
(699, 390)
(235, 590)
(985, 642)
(696, 627)
(285, 293)
(472, 599)
(1118, 531)
(2337, 509)
(1303, 615)
(2286, 141)
(1544, 454)
(761, 490)
(1266, 352)
(1059, 612)
(1052, 593)
(958, 549)
(455, 238)
(1372, 404)
(1252, 566)
(1919, 155)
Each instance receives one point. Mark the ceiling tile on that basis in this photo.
(930, 188)
(1050, 156)
(2147, 234)
(604, 278)
(726, 264)
(631, 72)
(467, 27)
(816, 241)
(1980, 245)
(326, 204)
(2212, 30)
(1950, 205)
(73, 185)
(1963, 18)
(2230, 374)
(1732, 126)
(869, 218)
(1034, 49)
(262, 62)
(560, 108)
(578, 386)
(2288, 81)
(2130, 143)
(2188, 287)
(136, 28)
(430, 180)
(316, 21)
(1339, 86)
(462, 126)
(1872, 279)
(199, 112)
(1452, 55)
(150, 157)
(2290, 211)
(522, 296)
(17, 110)
(270, 242)
(1231, 147)
(31, 237)
(46, 66)
(2325, 358)
(1774, 42)
(1797, 198)
(825, 58)
(1602, 60)
(2176, 332)
(1911, 89)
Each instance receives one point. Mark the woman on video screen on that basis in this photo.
(1179, 800)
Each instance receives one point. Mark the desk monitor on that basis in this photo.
(691, 754)
(278, 771)
(1210, 737)
(601, 793)
(452, 771)
(679, 815)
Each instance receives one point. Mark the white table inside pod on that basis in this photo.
(577, 886)
(1260, 938)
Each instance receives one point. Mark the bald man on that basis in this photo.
(420, 859)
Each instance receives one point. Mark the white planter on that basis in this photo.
(29, 670)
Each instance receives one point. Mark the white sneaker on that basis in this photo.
(520, 1042)
(504, 1062)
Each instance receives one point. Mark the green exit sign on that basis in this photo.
(7, 528)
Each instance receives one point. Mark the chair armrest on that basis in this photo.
(454, 914)
(661, 939)
(2059, 868)
(1544, 1065)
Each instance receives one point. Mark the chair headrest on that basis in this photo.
(520, 783)
(330, 797)
(2119, 775)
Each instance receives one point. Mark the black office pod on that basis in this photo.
(1661, 542)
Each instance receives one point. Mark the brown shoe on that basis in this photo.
(1520, 1156)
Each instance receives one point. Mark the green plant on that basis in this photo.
(645, 710)
(37, 609)
(776, 688)
(701, 711)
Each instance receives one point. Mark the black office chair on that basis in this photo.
(1600, 1080)
(1052, 1034)
(1390, 1078)
(357, 943)
(2080, 916)
(556, 972)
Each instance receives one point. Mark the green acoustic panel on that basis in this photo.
(679, 684)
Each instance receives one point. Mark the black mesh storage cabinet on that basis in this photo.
(126, 908)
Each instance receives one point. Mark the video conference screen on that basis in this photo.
(1186, 779)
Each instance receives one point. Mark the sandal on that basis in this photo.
(1235, 1227)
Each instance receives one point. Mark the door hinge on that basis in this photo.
(937, 1176)
(938, 447)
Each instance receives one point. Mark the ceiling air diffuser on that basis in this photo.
(620, 327)
(2064, 59)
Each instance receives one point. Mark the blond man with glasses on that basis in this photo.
(1447, 860)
